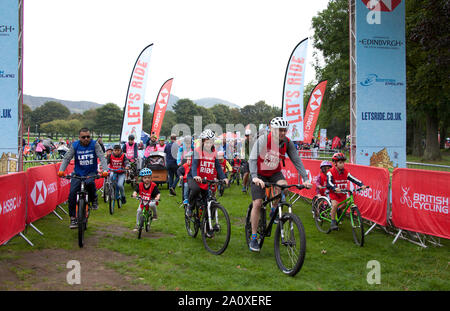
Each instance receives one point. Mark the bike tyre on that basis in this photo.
(320, 205)
(206, 239)
(81, 223)
(261, 226)
(296, 224)
(358, 229)
(141, 225)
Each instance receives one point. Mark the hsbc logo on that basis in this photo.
(378, 6)
(162, 101)
(9, 205)
(317, 100)
(40, 191)
(381, 5)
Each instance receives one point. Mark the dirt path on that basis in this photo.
(47, 269)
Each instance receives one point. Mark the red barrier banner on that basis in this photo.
(372, 202)
(420, 201)
(64, 184)
(42, 191)
(12, 205)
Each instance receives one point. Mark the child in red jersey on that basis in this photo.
(147, 190)
(336, 181)
(321, 179)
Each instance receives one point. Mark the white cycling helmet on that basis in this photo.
(207, 134)
(279, 122)
(248, 132)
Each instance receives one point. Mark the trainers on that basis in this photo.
(172, 192)
(186, 202)
(95, 205)
(254, 245)
(73, 223)
(124, 200)
(334, 225)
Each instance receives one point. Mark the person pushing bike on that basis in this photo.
(265, 160)
(86, 151)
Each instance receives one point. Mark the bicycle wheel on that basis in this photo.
(357, 225)
(81, 209)
(221, 189)
(216, 239)
(321, 213)
(192, 223)
(149, 221)
(261, 226)
(290, 245)
(141, 225)
(106, 192)
(112, 196)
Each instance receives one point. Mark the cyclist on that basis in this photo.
(118, 162)
(182, 172)
(86, 152)
(336, 181)
(131, 149)
(245, 170)
(321, 179)
(266, 157)
(147, 190)
(204, 164)
(226, 167)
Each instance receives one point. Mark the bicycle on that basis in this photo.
(83, 206)
(146, 218)
(290, 238)
(321, 211)
(113, 192)
(212, 218)
(132, 174)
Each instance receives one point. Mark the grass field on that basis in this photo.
(166, 258)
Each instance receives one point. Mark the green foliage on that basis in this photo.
(48, 112)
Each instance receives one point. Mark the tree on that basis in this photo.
(27, 112)
(428, 68)
(331, 39)
(259, 113)
(108, 119)
(48, 112)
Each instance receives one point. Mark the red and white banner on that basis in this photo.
(160, 107)
(420, 201)
(43, 194)
(372, 203)
(134, 103)
(12, 205)
(292, 105)
(313, 110)
(64, 184)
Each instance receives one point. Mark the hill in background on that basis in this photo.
(80, 106)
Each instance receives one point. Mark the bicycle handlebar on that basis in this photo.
(351, 191)
(298, 186)
(81, 177)
(146, 201)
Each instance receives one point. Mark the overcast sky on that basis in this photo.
(233, 50)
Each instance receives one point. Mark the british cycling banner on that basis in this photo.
(313, 110)
(43, 191)
(420, 201)
(292, 104)
(134, 104)
(12, 205)
(380, 83)
(9, 75)
(372, 202)
(160, 107)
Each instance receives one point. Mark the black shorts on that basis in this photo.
(244, 167)
(260, 193)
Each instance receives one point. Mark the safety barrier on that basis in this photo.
(415, 201)
(29, 196)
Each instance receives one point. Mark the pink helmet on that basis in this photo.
(326, 163)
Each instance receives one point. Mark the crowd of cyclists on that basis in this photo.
(191, 159)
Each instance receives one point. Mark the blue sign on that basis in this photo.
(9, 77)
(381, 83)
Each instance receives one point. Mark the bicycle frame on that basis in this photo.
(348, 203)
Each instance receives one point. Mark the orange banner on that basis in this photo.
(160, 107)
(312, 112)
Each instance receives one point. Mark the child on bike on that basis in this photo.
(118, 162)
(337, 184)
(321, 179)
(226, 167)
(204, 165)
(182, 172)
(147, 190)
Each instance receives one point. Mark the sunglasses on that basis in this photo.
(85, 137)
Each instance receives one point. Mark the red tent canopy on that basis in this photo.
(336, 143)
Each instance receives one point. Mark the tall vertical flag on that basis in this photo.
(292, 105)
(9, 76)
(134, 103)
(380, 83)
(160, 107)
(313, 110)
